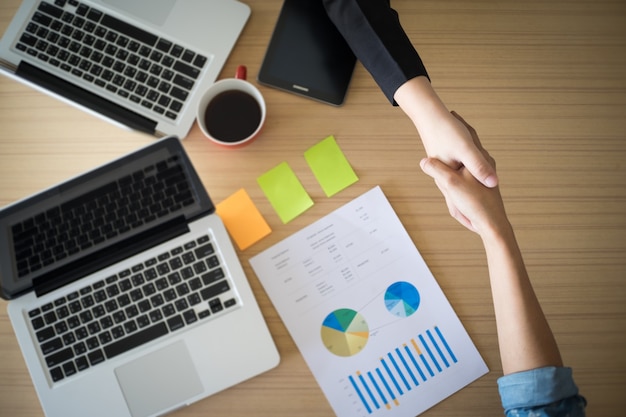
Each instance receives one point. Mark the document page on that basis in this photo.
(368, 316)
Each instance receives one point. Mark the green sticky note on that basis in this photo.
(330, 166)
(285, 192)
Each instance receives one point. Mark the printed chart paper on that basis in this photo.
(370, 320)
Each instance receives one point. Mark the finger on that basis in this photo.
(434, 168)
(478, 162)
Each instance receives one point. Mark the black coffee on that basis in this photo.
(232, 116)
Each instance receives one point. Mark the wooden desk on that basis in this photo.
(544, 85)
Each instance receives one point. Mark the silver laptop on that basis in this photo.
(126, 295)
(142, 64)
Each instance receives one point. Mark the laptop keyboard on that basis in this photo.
(152, 299)
(108, 212)
(114, 56)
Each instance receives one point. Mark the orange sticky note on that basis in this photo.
(242, 219)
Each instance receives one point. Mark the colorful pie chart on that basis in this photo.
(402, 299)
(344, 332)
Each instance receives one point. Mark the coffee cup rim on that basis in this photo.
(213, 91)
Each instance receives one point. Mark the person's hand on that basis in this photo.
(444, 134)
(451, 140)
(475, 206)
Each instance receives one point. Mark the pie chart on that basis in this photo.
(344, 332)
(402, 299)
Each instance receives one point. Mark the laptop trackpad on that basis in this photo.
(159, 381)
(156, 11)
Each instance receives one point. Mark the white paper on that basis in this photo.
(372, 323)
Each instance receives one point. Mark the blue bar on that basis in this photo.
(432, 339)
(443, 339)
(428, 368)
(393, 361)
(406, 365)
(358, 391)
(408, 351)
(382, 378)
(369, 391)
(382, 396)
(393, 379)
(430, 353)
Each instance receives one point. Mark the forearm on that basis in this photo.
(419, 100)
(524, 336)
(373, 31)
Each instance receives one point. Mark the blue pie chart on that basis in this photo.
(402, 299)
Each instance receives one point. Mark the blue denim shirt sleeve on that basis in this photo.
(548, 391)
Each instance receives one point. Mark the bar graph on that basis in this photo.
(403, 369)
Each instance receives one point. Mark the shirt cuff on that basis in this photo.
(536, 387)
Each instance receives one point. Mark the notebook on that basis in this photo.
(139, 64)
(126, 295)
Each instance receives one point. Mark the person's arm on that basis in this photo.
(524, 336)
(373, 31)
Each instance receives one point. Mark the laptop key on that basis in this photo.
(213, 276)
(188, 55)
(56, 374)
(204, 250)
(81, 363)
(136, 339)
(52, 346)
(69, 368)
(59, 357)
(186, 69)
(45, 334)
(215, 290)
(96, 357)
(164, 45)
(199, 61)
(129, 30)
(216, 305)
(94, 15)
(28, 39)
(50, 9)
(38, 323)
(175, 323)
(190, 316)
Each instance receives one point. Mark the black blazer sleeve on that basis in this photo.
(373, 31)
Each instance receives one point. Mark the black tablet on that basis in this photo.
(307, 55)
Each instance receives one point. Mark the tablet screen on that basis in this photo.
(307, 55)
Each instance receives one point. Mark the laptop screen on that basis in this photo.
(97, 218)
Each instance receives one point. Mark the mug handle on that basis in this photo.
(242, 72)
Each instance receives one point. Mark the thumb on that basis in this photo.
(434, 168)
(478, 161)
(480, 168)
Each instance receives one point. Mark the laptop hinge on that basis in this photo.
(85, 98)
(96, 261)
